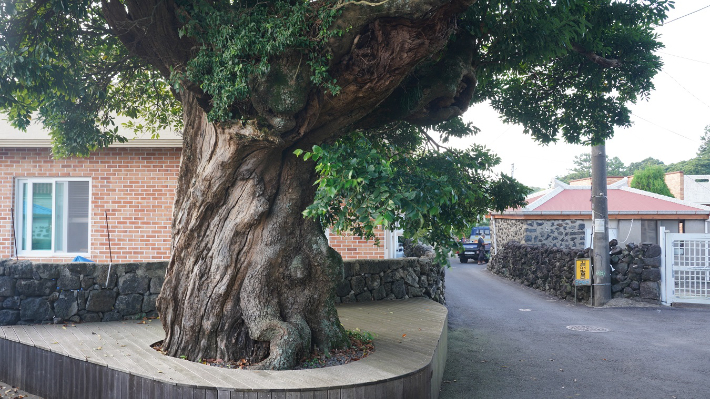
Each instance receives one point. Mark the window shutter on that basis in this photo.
(78, 217)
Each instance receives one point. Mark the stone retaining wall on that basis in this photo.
(541, 267)
(635, 275)
(563, 233)
(79, 292)
(376, 279)
(507, 230)
(637, 272)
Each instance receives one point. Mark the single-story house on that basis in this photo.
(562, 217)
(115, 205)
(691, 188)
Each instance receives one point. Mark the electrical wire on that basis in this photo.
(683, 87)
(685, 58)
(664, 128)
(683, 16)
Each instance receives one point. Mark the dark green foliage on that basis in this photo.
(560, 68)
(238, 40)
(540, 66)
(651, 179)
(430, 192)
(61, 65)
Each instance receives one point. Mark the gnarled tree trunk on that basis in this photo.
(249, 276)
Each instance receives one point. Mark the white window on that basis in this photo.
(52, 216)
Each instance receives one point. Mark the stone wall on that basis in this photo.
(636, 269)
(376, 279)
(541, 267)
(563, 233)
(506, 230)
(78, 292)
(637, 272)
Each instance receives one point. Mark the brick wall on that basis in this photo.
(674, 181)
(587, 181)
(353, 247)
(135, 187)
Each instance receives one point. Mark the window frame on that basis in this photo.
(20, 226)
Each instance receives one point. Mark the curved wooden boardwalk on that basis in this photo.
(114, 360)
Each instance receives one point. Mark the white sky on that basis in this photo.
(667, 127)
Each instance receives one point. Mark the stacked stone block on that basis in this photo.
(636, 271)
(555, 233)
(541, 267)
(77, 292)
(375, 279)
(32, 293)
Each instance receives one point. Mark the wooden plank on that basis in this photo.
(134, 385)
(334, 394)
(320, 394)
(148, 388)
(199, 393)
(394, 388)
(211, 393)
(225, 394)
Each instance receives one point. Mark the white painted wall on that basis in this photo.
(696, 191)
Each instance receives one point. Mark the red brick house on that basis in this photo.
(57, 209)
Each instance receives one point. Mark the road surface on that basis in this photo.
(510, 341)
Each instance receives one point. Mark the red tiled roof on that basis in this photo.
(618, 201)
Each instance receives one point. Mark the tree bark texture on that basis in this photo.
(249, 277)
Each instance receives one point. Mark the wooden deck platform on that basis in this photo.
(114, 360)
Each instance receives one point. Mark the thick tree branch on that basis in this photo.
(597, 59)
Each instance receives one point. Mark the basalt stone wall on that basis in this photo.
(79, 292)
(637, 272)
(376, 279)
(507, 230)
(636, 269)
(541, 267)
(555, 233)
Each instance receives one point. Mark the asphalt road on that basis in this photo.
(510, 341)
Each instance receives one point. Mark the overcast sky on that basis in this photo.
(667, 127)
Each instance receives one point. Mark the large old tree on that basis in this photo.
(284, 103)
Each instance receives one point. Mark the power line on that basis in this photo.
(683, 87)
(690, 13)
(664, 128)
(685, 58)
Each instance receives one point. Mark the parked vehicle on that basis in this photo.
(470, 245)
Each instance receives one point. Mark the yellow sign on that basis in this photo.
(583, 274)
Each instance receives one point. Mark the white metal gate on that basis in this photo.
(686, 268)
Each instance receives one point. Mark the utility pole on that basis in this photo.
(600, 218)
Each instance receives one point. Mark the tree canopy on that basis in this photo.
(561, 69)
(651, 179)
(339, 110)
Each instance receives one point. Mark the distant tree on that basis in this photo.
(704, 148)
(651, 179)
(614, 167)
(700, 165)
(696, 166)
(583, 168)
(643, 164)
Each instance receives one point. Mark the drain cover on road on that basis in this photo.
(588, 328)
